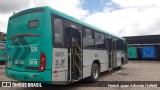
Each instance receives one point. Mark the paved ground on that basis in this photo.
(133, 71)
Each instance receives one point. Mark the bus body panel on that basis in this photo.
(60, 65)
(120, 55)
(89, 56)
(27, 45)
(43, 77)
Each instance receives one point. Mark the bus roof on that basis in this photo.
(56, 12)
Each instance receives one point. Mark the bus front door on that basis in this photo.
(74, 42)
(109, 46)
(111, 53)
(114, 54)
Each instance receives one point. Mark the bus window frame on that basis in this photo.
(106, 41)
(96, 48)
(83, 27)
(78, 27)
(64, 31)
(53, 16)
(33, 21)
(121, 43)
(84, 35)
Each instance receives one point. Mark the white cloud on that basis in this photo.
(70, 7)
(11, 5)
(137, 3)
(134, 17)
(130, 19)
(3, 22)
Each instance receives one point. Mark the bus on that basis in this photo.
(148, 52)
(46, 45)
(132, 52)
(2, 51)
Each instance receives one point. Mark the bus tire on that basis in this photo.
(95, 71)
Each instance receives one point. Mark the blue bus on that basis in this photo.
(148, 52)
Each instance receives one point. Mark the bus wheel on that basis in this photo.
(94, 72)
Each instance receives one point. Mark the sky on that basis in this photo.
(120, 17)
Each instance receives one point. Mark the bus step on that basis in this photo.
(77, 79)
(110, 69)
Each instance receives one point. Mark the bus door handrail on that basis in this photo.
(73, 49)
(77, 45)
(76, 63)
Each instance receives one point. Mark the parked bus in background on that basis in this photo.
(148, 52)
(132, 52)
(44, 44)
(2, 51)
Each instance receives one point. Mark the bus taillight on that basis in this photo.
(42, 65)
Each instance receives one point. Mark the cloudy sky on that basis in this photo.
(120, 17)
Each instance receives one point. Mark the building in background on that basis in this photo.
(143, 47)
(2, 36)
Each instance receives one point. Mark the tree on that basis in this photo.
(2, 36)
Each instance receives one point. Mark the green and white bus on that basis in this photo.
(44, 44)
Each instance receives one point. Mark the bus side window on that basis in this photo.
(102, 43)
(119, 45)
(88, 40)
(108, 42)
(58, 32)
(96, 35)
(99, 40)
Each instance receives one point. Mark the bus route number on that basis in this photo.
(9, 64)
(34, 49)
